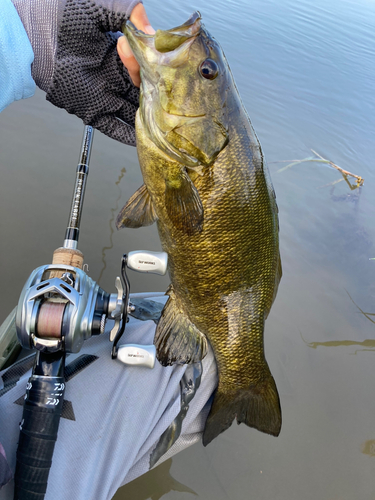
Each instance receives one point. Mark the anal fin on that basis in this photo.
(177, 339)
(138, 211)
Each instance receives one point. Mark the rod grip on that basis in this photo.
(38, 434)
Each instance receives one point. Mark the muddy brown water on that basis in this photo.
(306, 73)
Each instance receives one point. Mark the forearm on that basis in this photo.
(16, 57)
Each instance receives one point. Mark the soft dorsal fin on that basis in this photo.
(138, 211)
(177, 339)
(183, 204)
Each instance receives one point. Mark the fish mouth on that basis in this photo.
(163, 48)
(167, 40)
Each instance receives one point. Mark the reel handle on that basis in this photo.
(145, 262)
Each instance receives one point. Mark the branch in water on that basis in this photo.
(363, 312)
(320, 159)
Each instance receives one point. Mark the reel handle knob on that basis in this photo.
(140, 355)
(148, 262)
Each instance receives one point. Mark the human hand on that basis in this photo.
(76, 61)
(140, 20)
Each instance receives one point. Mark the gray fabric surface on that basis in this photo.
(5, 472)
(120, 414)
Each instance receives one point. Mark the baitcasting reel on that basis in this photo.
(59, 308)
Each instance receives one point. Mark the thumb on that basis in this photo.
(128, 60)
(140, 20)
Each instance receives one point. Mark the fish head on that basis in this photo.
(184, 87)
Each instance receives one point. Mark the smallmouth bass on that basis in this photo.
(207, 187)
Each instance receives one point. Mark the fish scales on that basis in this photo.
(224, 260)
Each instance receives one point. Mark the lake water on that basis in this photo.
(306, 74)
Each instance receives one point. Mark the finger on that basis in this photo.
(140, 20)
(128, 60)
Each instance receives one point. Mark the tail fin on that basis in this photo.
(258, 406)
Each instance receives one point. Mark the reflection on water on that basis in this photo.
(370, 343)
(339, 343)
(114, 212)
(154, 484)
(347, 197)
(368, 448)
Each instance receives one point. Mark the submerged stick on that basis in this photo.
(320, 159)
(360, 180)
(363, 312)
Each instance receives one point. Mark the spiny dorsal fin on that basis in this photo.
(183, 204)
(177, 339)
(138, 211)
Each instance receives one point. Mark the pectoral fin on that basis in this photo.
(177, 339)
(183, 204)
(138, 211)
(145, 309)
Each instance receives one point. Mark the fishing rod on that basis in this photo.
(59, 308)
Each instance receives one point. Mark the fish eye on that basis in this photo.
(209, 69)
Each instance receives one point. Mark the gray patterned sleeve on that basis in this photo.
(39, 19)
(76, 61)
